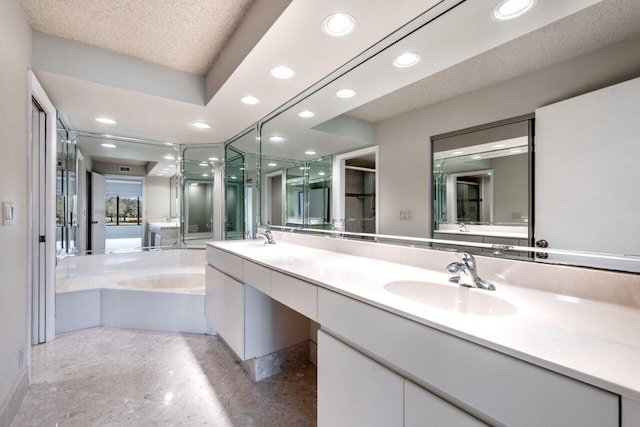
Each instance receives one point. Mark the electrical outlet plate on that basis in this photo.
(405, 215)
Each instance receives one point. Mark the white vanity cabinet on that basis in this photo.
(491, 386)
(353, 390)
(224, 308)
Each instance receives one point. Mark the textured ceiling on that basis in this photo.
(187, 35)
(603, 24)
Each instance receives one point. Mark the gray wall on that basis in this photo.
(15, 59)
(510, 183)
(276, 200)
(404, 140)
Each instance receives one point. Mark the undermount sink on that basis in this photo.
(451, 298)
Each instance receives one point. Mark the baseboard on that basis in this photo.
(10, 409)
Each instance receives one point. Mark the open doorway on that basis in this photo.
(356, 201)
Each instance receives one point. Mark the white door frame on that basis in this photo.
(338, 176)
(36, 91)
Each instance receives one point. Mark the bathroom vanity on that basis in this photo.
(400, 345)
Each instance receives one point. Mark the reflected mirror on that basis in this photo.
(539, 65)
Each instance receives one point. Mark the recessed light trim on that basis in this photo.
(106, 145)
(306, 114)
(346, 93)
(105, 120)
(338, 24)
(276, 139)
(282, 72)
(310, 153)
(250, 100)
(510, 9)
(407, 59)
(201, 125)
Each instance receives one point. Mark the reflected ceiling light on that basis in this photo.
(105, 121)
(282, 72)
(170, 144)
(169, 157)
(338, 24)
(345, 93)
(516, 150)
(193, 184)
(457, 153)
(310, 153)
(477, 156)
(509, 9)
(201, 125)
(233, 177)
(406, 60)
(272, 164)
(321, 173)
(498, 146)
(204, 164)
(205, 174)
(276, 138)
(108, 145)
(250, 100)
(306, 114)
(213, 159)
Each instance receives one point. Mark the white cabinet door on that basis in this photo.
(353, 390)
(224, 308)
(423, 409)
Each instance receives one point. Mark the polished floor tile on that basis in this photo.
(117, 377)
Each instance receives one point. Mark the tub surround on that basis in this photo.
(553, 323)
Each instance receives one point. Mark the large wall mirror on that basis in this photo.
(456, 68)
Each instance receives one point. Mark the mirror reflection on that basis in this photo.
(489, 73)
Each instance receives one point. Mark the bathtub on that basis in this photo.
(153, 290)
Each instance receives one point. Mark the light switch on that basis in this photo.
(7, 213)
(405, 215)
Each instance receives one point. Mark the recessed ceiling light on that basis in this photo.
(201, 125)
(509, 9)
(310, 153)
(250, 100)
(406, 60)
(105, 121)
(276, 138)
(345, 93)
(321, 173)
(306, 114)
(457, 153)
(272, 164)
(282, 72)
(193, 184)
(108, 145)
(516, 150)
(213, 159)
(338, 24)
(169, 157)
(498, 146)
(477, 156)
(233, 177)
(205, 174)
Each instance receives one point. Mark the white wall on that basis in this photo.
(15, 59)
(404, 140)
(157, 197)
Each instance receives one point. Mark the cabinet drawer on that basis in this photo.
(257, 276)
(296, 294)
(423, 409)
(225, 262)
(490, 385)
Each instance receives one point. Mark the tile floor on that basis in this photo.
(118, 377)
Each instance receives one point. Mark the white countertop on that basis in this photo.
(590, 341)
(484, 233)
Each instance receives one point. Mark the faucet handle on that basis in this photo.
(468, 259)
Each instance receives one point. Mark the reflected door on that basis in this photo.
(97, 218)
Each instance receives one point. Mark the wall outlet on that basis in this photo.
(405, 215)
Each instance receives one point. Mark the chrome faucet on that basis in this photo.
(268, 237)
(463, 228)
(467, 275)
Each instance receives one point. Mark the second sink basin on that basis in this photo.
(451, 298)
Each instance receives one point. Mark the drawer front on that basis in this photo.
(225, 262)
(257, 276)
(496, 388)
(296, 294)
